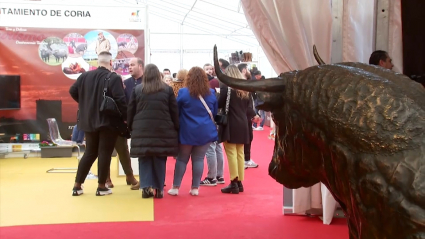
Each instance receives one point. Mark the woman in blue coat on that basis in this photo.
(197, 108)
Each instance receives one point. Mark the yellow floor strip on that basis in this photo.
(29, 195)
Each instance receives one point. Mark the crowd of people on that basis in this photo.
(167, 117)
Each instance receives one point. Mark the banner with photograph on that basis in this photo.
(49, 60)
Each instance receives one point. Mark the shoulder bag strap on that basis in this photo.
(106, 83)
(206, 107)
(228, 99)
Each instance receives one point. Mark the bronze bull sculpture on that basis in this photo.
(358, 129)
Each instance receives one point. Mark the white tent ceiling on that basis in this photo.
(223, 18)
(182, 33)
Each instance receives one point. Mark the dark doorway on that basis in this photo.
(413, 24)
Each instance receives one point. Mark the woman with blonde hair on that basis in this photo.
(179, 82)
(236, 132)
(154, 123)
(168, 79)
(197, 108)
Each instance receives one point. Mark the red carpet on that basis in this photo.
(255, 213)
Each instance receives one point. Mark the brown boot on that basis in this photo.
(135, 186)
(131, 180)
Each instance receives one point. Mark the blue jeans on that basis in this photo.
(263, 117)
(152, 172)
(197, 153)
(215, 160)
(77, 135)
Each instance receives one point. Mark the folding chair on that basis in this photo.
(57, 139)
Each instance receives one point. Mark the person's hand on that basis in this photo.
(256, 119)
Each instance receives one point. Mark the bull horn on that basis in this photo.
(317, 57)
(267, 85)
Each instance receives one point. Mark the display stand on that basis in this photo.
(56, 151)
(11, 150)
(288, 209)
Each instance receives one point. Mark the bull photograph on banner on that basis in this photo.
(42, 64)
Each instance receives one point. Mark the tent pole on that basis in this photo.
(181, 46)
(382, 25)
(337, 25)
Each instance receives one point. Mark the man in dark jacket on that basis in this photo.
(99, 128)
(136, 67)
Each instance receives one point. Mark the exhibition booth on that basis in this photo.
(49, 44)
(46, 45)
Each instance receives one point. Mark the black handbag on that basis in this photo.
(221, 117)
(108, 106)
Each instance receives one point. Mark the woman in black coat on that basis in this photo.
(153, 119)
(236, 133)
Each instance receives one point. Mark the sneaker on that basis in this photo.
(173, 191)
(250, 164)
(220, 180)
(194, 192)
(259, 128)
(77, 191)
(103, 191)
(209, 182)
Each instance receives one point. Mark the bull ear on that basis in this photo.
(317, 57)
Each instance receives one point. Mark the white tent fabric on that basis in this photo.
(184, 32)
(357, 30)
(287, 30)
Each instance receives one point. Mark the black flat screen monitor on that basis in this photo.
(10, 92)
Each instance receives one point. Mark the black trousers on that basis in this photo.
(100, 145)
(247, 147)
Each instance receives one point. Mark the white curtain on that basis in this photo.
(287, 31)
(358, 30)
